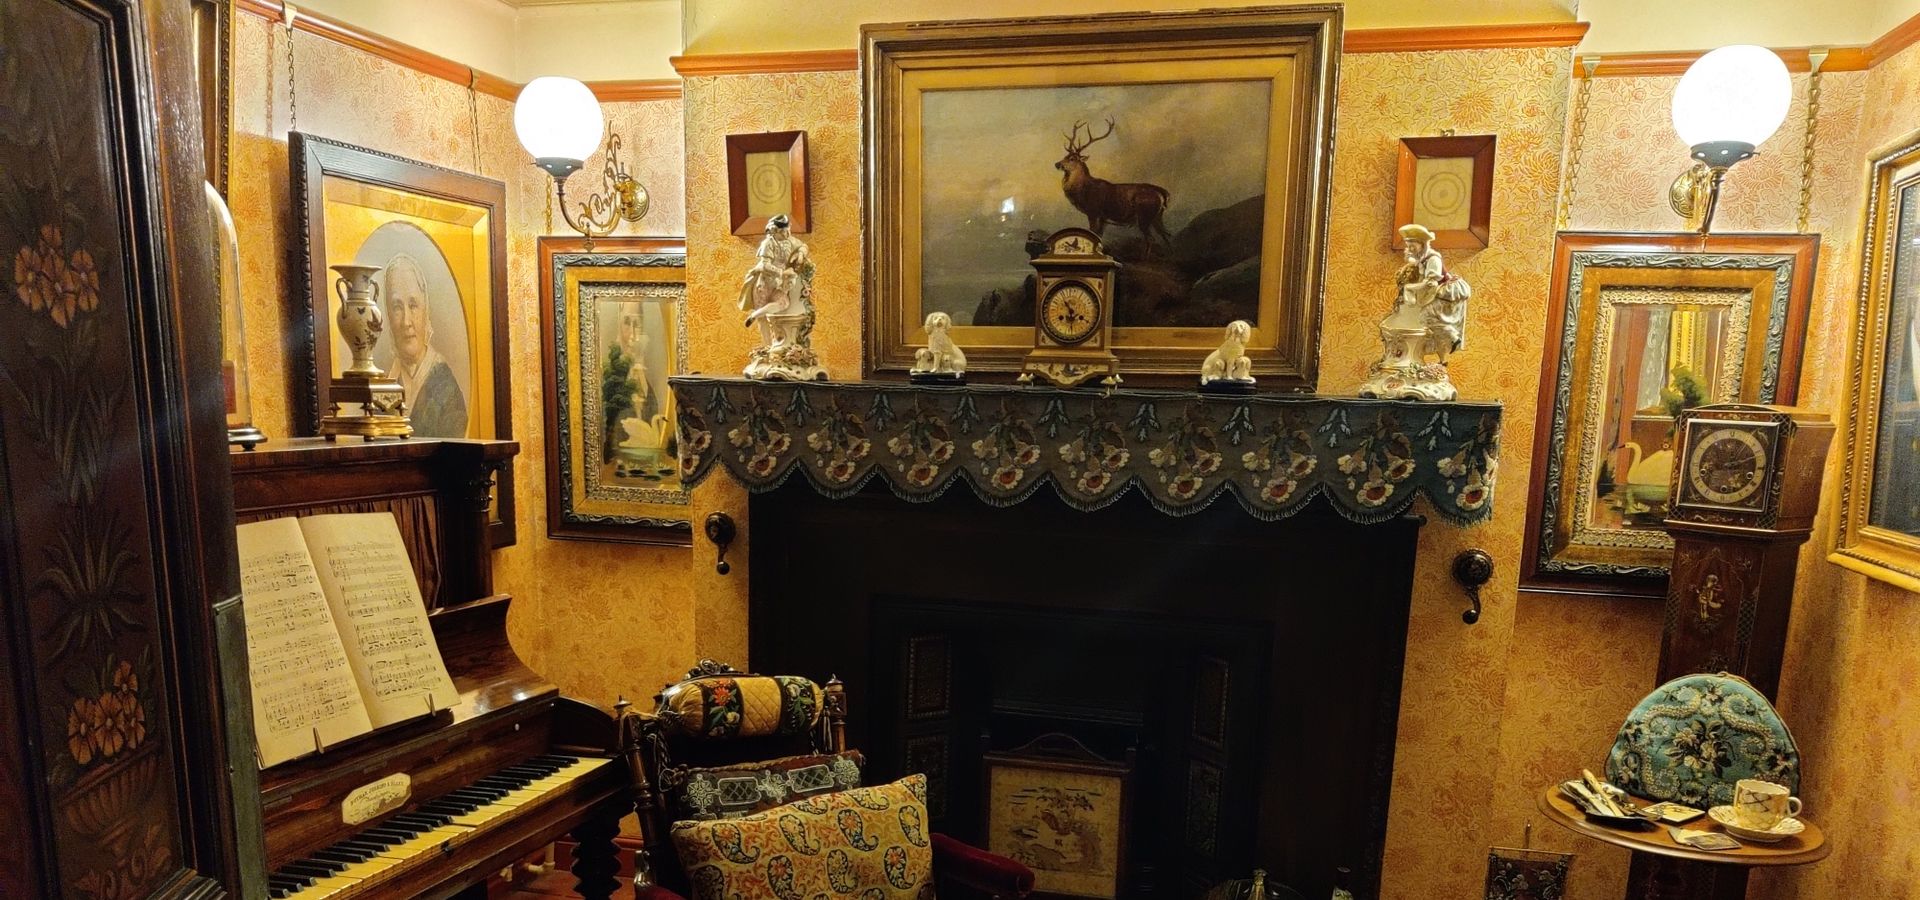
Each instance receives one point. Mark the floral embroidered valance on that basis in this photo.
(1182, 449)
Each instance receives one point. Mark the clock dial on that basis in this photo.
(1727, 465)
(1070, 313)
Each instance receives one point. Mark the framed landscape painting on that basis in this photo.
(1880, 491)
(1639, 328)
(1196, 145)
(439, 239)
(615, 327)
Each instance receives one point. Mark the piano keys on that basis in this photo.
(475, 787)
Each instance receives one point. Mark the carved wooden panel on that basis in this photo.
(107, 723)
(929, 672)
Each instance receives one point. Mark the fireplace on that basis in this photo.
(1249, 669)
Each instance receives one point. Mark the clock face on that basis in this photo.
(1070, 313)
(1073, 245)
(1727, 465)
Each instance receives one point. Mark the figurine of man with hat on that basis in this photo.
(1429, 318)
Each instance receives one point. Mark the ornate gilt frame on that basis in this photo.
(1765, 281)
(579, 505)
(1303, 42)
(1877, 552)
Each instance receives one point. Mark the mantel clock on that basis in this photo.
(1746, 484)
(1072, 312)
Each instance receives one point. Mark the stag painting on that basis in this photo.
(1140, 205)
(1172, 175)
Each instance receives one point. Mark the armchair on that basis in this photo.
(722, 743)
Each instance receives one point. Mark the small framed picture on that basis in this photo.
(1061, 810)
(1446, 184)
(1515, 874)
(767, 177)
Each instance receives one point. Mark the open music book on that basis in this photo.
(338, 642)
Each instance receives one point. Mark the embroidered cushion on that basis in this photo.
(731, 706)
(727, 792)
(868, 843)
(1694, 736)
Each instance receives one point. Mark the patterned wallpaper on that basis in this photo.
(598, 619)
(1489, 713)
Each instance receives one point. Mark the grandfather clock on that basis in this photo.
(1746, 484)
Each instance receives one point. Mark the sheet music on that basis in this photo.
(300, 676)
(369, 582)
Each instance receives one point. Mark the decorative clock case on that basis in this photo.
(1073, 312)
(1746, 484)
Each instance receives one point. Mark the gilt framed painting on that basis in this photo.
(439, 239)
(1879, 532)
(1196, 145)
(1640, 327)
(615, 326)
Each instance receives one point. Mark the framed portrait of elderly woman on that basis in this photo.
(615, 326)
(439, 239)
(1639, 328)
(1879, 532)
(1196, 145)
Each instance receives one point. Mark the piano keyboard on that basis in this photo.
(400, 842)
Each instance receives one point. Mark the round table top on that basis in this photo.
(1807, 846)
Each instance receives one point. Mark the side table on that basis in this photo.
(1806, 847)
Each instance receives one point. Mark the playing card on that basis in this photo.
(1703, 840)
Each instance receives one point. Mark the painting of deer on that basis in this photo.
(1141, 205)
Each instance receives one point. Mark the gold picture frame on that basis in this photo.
(1218, 138)
(1879, 520)
(440, 238)
(615, 313)
(1640, 326)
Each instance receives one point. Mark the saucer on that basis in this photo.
(1785, 828)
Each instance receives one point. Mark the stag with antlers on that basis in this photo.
(1137, 204)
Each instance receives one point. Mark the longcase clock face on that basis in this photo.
(1070, 312)
(1728, 463)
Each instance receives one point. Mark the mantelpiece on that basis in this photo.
(1181, 449)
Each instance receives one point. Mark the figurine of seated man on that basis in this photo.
(1230, 363)
(941, 359)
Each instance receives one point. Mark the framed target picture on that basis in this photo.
(1446, 184)
(767, 177)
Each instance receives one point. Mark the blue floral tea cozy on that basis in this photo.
(1694, 736)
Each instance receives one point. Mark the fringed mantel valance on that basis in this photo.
(1182, 449)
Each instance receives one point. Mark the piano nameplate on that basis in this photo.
(376, 798)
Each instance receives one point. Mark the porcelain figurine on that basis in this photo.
(1229, 369)
(941, 361)
(777, 295)
(1429, 319)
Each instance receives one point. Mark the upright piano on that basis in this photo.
(468, 790)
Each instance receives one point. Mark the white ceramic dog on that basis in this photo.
(941, 356)
(1230, 362)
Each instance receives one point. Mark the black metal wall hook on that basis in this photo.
(721, 531)
(1473, 567)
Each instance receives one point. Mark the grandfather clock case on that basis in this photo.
(1746, 486)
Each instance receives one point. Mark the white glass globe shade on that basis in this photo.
(558, 118)
(1738, 93)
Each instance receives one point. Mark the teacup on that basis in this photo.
(1760, 805)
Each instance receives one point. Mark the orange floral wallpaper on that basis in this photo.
(598, 619)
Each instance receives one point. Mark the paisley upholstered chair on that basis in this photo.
(722, 744)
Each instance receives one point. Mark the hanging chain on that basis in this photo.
(473, 115)
(1561, 217)
(293, 95)
(1815, 58)
(273, 33)
(549, 213)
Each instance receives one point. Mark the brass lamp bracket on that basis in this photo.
(621, 197)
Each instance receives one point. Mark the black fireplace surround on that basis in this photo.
(1250, 669)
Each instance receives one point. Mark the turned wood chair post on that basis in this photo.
(835, 721)
(633, 729)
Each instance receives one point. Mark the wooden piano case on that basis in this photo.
(438, 491)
